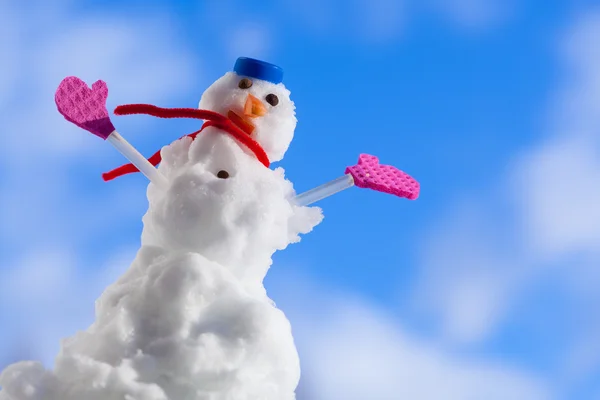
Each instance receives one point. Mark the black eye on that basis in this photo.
(272, 99)
(245, 83)
(223, 174)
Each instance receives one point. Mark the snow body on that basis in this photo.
(190, 319)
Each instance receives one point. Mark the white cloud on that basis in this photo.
(382, 21)
(315, 15)
(48, 296)
(368, 21)
(583, 357)
(236, 29)
(136, 56)
(8, 46)
(250, 39)
(353, 350)
(46, 211)
(476, 14)
(539, 225)
(467, 273)
(379, 20)
(559, 190)
(559, 180)
(37, 278)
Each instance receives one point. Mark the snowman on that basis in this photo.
(190, 319)
(230, 205)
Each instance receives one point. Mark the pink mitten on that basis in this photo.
(368, 173)
(83, 106)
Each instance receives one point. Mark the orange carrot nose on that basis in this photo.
(254, 107)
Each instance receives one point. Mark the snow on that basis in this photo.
(190, 319)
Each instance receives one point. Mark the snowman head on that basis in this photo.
(254, 99)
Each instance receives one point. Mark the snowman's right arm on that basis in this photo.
(327, 189)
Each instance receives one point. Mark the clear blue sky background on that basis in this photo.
(490, 279)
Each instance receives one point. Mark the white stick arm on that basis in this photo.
(325, 190)
(137, 159)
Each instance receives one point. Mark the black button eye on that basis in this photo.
(245, 83)
(223, 174)
(272, 99)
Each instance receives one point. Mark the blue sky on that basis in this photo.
(485, 286)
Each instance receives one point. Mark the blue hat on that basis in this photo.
(258, 70)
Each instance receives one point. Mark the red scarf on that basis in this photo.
(212, 119)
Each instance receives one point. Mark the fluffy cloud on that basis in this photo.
(252, 39)
(380, 21)
(128, 53)
(535, 234)
(558, 180)
(136, 56)
(476, 14)
(46, 295)
(41, 44)
(354, 350)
